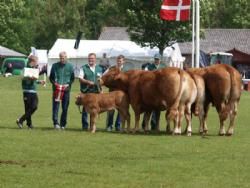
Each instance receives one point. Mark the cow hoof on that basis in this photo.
(169, 132)
(229, 134)
(221, 134)
(176, 134)
(189, 134)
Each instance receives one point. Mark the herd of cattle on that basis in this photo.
(180, 93)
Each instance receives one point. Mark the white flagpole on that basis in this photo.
(197, 57)
(193, 32)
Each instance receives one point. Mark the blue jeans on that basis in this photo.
(110, 119)
(85, 123)
(154, 119)
(55, 108)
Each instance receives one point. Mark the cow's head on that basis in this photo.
(78, 101)
(110, 78)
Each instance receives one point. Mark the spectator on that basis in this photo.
(88, 78)
(120, 63)
(155, 114)
(61, 77)
(9, 70)
(104, 62)
(30, 97)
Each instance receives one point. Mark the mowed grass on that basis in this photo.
(44, 157)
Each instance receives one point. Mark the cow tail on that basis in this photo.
(235, 90)
(174, 108)
(200, 92)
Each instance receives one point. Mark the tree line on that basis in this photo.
(25, 23)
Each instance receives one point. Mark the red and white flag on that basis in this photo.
(59, 92)
(175, 10)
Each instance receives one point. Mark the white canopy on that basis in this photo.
(134, 53)
(112, 48)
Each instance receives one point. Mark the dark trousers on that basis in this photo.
(85, 123)
(154, 119)
(110, 119)
(30, 105)
(55, 108)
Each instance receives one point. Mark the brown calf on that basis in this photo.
(95, 104)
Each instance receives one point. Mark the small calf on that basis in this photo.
(95, 104)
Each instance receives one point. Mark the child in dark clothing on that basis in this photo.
(30, 97)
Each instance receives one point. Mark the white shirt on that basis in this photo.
(81, 73)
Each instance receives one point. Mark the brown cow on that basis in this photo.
(223, 90)
(95, 104)
(151, 90)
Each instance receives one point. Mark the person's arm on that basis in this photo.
(72, 77)
(84, 81)
(52, 75)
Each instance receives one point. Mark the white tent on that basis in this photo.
(135, 54)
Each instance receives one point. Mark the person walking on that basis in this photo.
(88, 78)
(61, 77)
(30, 98)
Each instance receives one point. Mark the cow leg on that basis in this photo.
(203, 118)
(177, 130)
(93, 117)
(137, 120)
(233, 114)
(168, 128)
(177, 121)
(146, 121)
(188, 119)
(128, 121)
(222, 110)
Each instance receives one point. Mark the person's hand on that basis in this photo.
(43, 82)
(56, 84)
(33, 78)
(90, 83)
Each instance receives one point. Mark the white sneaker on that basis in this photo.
(20, 125)
(109, 129)
(56, 126)
(62, 128)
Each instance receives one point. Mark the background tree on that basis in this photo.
(57, 19)
(101, 13)
(16, 28)
(225, 13)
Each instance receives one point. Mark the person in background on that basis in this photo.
(88, 78)
(9, 70)
(104, 62)
(30, 97)
(155, 114)
(61, 77)
(120, 63)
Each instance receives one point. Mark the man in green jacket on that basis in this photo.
(155, 114)
(88, 78)
(61, 77)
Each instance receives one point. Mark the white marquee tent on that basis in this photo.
(135, 54)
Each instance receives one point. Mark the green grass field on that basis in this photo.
(44, 157)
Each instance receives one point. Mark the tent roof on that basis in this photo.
(112, 48)
(9, 53)
(5, 52)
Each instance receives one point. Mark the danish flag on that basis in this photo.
(175, 10)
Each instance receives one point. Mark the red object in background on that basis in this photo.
(175, 10)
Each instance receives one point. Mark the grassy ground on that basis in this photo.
(43, 157)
